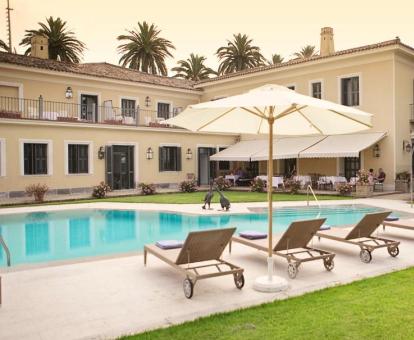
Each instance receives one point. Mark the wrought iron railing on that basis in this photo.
(40, 109)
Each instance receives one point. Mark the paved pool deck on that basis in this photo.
(106, 298)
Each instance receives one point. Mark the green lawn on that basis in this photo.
(376, 308)
(197, 198)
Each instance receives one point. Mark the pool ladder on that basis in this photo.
(6, 250)
(309, 189)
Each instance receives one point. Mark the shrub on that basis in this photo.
(362, 177)
(221, 183)
(101, 190)
(258, 185)
(38, 191)
(293, 185)
(344, 188)
(403, 176)
(188, 186)
(147, 188)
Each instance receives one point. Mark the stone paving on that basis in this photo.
(106, 298)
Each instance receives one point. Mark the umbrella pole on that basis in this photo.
(270, 201)
(270, 283)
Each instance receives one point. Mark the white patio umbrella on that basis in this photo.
(272, 109)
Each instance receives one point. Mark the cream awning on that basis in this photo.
(241, 151)
(301, 147)
(289, 147)
(342, 145)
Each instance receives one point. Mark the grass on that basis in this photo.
(375, 308)
(195, 198)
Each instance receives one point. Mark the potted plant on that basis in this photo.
(402, 181)
(363, 187)
(38, 191)
(344, 189)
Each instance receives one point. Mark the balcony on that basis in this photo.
(43, 110)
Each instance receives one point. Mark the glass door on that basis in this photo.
(120, 167)
(206, 169)
(89, 107)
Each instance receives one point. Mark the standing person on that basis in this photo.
(371, 176)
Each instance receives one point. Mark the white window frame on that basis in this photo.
(128, 98)
(314, 81)
(89, 93)
(49, 143)
(339, 84)
(2, 157)
(176, 145)
(136, 155)
(90, 156)
(19, 88)
(163, 102)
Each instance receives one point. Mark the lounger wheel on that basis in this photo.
(188, 287)
(239, 280)
(292, 270)
(329, 264)
(365, 256)
(393, 251)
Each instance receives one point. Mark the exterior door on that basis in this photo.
(206, 169)
(351, 165)
(120, 167)
(89, 107)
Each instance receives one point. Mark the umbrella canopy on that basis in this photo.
(272, 109)
(294, 114)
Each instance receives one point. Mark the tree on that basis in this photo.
(239, 54)
(145, 50)
(306, 52)
(193, 68)
(276, 59)
(4, 46)
(63, 44)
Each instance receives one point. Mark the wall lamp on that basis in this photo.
(376, 151)
(189, 154)
(147, 101)
(101, 153)
(407, 147)
(69, 93)
(149, 154)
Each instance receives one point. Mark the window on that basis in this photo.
(128, 107)
(163, 110)
(350, 91)
(170, 158)
(78, 158)
(223, 165)
(351, 165)
(35, 158)
(317, 90)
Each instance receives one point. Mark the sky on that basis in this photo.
(281, 27)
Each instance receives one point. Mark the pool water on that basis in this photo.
(50, 236)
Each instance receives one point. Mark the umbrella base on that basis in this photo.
(276, 284)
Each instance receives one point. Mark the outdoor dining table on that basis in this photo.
(233, 178)
(276, 180)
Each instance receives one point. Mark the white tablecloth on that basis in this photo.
(276, 180)
(233, 178)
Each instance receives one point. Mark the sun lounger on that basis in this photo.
(361, 236)
(200, 258)
(402, 224)
(293, 245)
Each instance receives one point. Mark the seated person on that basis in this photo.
(371, 176)
(381, 176)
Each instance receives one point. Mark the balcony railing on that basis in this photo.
(40, 109)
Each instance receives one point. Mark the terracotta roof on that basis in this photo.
(297, 61)
(104, 70)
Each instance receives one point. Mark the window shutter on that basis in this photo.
(160, 159)
(178, 158)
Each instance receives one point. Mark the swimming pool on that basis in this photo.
(51, 236)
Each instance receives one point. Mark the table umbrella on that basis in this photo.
(272, 110)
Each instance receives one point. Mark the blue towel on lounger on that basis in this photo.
(253, 235)
(169, 244)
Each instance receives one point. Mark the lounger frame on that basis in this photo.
(201, 250)
(294, 242)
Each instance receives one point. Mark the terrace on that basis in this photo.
(45, 110)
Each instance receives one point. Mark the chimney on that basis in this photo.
(327, 42)
(40, 47)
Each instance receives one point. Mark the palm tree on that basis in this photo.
(63, 44)
(3, 46)
(145, 50)
(306, 52)
(238, 55)
(276, 59)
(193, 68)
